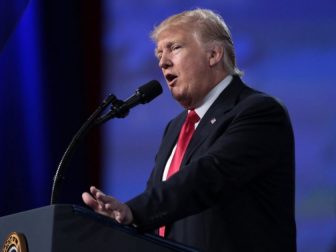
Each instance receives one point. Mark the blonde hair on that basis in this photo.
(209, 26)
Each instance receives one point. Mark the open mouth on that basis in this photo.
(170, 77)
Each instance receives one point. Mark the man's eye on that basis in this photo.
(159, 55)
(176, 47)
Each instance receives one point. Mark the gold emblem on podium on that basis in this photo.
(15, 242)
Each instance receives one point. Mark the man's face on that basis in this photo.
(184, 62)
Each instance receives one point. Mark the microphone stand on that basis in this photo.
(119, 109)
(91, 121)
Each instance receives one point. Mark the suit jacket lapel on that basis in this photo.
(223, 104)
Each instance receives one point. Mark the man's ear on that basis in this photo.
(216, 54)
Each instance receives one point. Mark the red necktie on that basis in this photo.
(186, 133)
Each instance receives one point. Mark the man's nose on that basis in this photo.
(165, 62)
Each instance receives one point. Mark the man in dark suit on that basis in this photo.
(224, 174)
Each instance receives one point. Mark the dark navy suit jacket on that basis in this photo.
(235, 187)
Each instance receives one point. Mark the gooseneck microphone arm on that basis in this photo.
(59, 175)
(119, 109)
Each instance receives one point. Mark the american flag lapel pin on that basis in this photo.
(213, 120)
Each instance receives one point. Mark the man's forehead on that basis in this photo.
(168, 35)
(173, 35)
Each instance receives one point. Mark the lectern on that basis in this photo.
(63, 228)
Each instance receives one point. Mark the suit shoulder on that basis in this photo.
(256, 104)
(254, 98)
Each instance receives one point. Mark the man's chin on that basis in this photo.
(177, 96)
(182, 100)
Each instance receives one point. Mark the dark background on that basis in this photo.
(50, 81)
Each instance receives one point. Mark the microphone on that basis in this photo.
(142, 95)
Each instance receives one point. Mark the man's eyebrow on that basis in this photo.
(166, 45)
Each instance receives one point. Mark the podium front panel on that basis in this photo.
(62, 228)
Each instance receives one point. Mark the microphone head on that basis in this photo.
(149, 91)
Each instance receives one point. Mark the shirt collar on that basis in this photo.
(212, 96)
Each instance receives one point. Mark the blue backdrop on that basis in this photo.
(286, 48)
